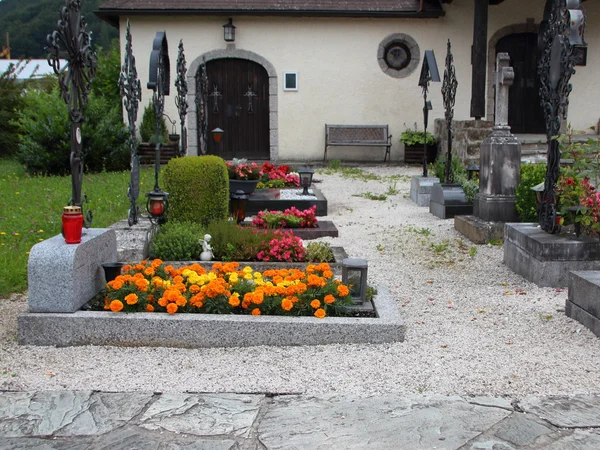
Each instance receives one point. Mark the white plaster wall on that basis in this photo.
(340, 81)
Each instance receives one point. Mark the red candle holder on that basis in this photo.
(72, 224)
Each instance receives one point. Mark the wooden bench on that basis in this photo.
(358, 136)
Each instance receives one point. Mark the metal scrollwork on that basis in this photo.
(131, 92)
(72, 38)
(250, 94)
(181, 99)
(201, 101)
(216, 95)
(449, 86)
(555, 68)
(159, 83)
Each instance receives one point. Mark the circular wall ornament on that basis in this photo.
(398, 55)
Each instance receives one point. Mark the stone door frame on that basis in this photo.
(231, 52)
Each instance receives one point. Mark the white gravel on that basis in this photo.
(473, 326)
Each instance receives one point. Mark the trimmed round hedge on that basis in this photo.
(198, 188)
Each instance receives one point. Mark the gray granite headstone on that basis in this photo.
(420, 189)
(62, 277)
(500, 157)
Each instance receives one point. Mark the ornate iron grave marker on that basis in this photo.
(72, 41)
(201, 101)
(429, 72)
(181, 99)
(561, 29)
(131, 91)
(449, 95)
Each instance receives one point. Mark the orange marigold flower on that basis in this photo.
(234, 301)
(116, 305)
(139, 267)
(194, 288)
(315, 304)
(258, 298)
(329, 299)
(181, 301)
(149, 308)
(256, 312)
(131, 299)
(150, 298)
(149, 271)
(343, 291)
(171, 308)
(320, 313)
(327, 273)
(157, 262)
(178, 279)
(315, 281)
(245, 304)
(144, 261)
(286, 304)
(126, 267)
(163, 301)
(116, 284)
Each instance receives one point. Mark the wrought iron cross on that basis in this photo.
(181, 99)
(201, 101)
(72, 41)
(215, 94)
(449, 86)
(555, 67)
(429, 72)
(131, 92)
(250, 94)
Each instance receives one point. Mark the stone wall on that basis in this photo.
(468, 135)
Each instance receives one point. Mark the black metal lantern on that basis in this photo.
(157, 204)
(472, 169)
(306, 176)
(239, 200)
(217, 135)
(229, 31)
(354, 275)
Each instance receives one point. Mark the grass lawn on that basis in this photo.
(31, 209)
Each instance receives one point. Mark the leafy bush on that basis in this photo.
(177, 241)
(415, 137)
(199, 189)
(319, 252)
(231, 242)
(531, 174)
(148, 126)
(11, 101)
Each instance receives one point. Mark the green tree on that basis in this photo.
(11, 101)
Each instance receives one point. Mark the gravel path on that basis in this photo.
(473, 326)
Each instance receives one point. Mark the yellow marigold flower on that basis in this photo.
(257, 275)
(343, 291)
(248, 276)
(149, 308)
(320, 313)
(233, 278)
(315, 304)
(256, 312)
(329, 299)
(131, 299)
(286, 304)
(171, 308)
(234, 300)
(116, 305)
(247, 269)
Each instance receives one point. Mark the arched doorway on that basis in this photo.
(237, 101)
(525, 113)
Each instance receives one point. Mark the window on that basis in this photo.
(398, 55)
(290, 81)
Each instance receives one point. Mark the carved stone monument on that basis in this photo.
(500, 157)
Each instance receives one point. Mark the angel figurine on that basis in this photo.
(207, 254)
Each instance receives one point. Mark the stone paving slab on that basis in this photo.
(77, 420)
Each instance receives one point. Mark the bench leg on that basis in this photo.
(387, 154)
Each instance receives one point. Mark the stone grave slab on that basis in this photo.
(133, 242)
(448, 200)
(583, 303)
(271, 199)
(420, 189)
(62, 277)
(546, 259)
(479, 231)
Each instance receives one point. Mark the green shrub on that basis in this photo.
(319, 252)
(531, 174)
(231, 242)
(177, 241)
(11, 101)
(198, 188)
(148, 126)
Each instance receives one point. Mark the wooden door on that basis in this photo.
(525, 113)
(238, 103)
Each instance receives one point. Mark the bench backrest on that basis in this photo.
(374, 134)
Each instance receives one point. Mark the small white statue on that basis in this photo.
(207, 254)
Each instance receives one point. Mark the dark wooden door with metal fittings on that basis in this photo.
(525, 113)
(238, 103)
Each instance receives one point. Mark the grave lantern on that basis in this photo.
(217, 135)
(472, 169)
(354, 275)
(239, 200)
(229, 31)
(157, 204)
(306, 176)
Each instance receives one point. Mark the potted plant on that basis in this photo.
(243, 176)
(414, 142)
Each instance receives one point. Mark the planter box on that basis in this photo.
(210, 330)
(323, 228)
(413, 154)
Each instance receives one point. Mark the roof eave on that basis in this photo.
(111, 16)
